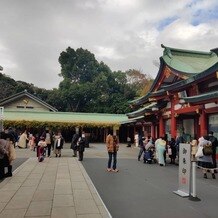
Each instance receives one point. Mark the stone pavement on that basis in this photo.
(56, 187)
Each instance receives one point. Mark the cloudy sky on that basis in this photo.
(125, 34)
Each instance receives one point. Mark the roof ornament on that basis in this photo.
(215, 50)
(154, 108)
(182, 101)
(167, 51)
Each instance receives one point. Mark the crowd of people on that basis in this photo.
(42, 143)
(158, 150)
(203, 150)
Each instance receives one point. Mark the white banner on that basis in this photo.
(184, 170)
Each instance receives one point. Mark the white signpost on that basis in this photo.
(184, 170)
(1, 118)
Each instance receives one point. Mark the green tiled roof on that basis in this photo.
(193, 64)
(141, 111)
(203, 97)
(188, 61)
(65, 117)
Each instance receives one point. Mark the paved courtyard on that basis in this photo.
(65, 187)
(57, 187)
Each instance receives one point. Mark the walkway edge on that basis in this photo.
(88, 180)
(7, 179)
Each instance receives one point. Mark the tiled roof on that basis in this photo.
(203, 97)
(192, 64)
(189, 61)
(65, 117)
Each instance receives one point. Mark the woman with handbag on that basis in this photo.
(205, 158)
(3, 155)
(7, 156)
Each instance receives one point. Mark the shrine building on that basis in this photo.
(183, 96)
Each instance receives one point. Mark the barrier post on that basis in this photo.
(193, 196)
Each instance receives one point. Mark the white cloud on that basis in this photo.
(123, 33)
(109, 53)
(182, 34)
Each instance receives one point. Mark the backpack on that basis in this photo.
(207, 149)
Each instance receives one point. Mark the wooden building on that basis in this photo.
(24, 110)
(24, 101)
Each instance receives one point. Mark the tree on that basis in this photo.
(7, 86)
(79, 66)
(87, 86)
(90, 86)
(142, 82)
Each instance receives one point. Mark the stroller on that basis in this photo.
(148, 155)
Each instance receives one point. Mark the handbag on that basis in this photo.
(207, 149)
(5, 160)
(199, 152)
(169, 151)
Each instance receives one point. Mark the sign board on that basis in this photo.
(184, 170)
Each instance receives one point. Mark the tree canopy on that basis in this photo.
(87, 85)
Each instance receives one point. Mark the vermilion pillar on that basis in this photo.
(173, 120)
(161, 126)
(153, 131)
(203, 123)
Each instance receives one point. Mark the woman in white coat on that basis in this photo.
(22, 143)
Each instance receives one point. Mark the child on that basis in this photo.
(59, 144)
(32, 142)
(41, 149)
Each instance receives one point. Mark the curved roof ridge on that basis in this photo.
(188, 51)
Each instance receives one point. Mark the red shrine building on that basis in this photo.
(182, 98)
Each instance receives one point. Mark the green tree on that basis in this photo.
(7, 86)
(79, 66)
(142, 82)
(90, 86)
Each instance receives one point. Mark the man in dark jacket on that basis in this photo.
(74, 144)
(81, 147)
(214, 142)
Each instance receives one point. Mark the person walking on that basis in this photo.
(81, 147)
(41, 149)
(172, 155)
(8, 153)
(23, 140)
(205, 161)
(59, 144)
(142, 142)
(47, 135)
(214, 142)
(3, 155)
(74, 144)
(32, 142)
(112, 148)
(160, 145)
